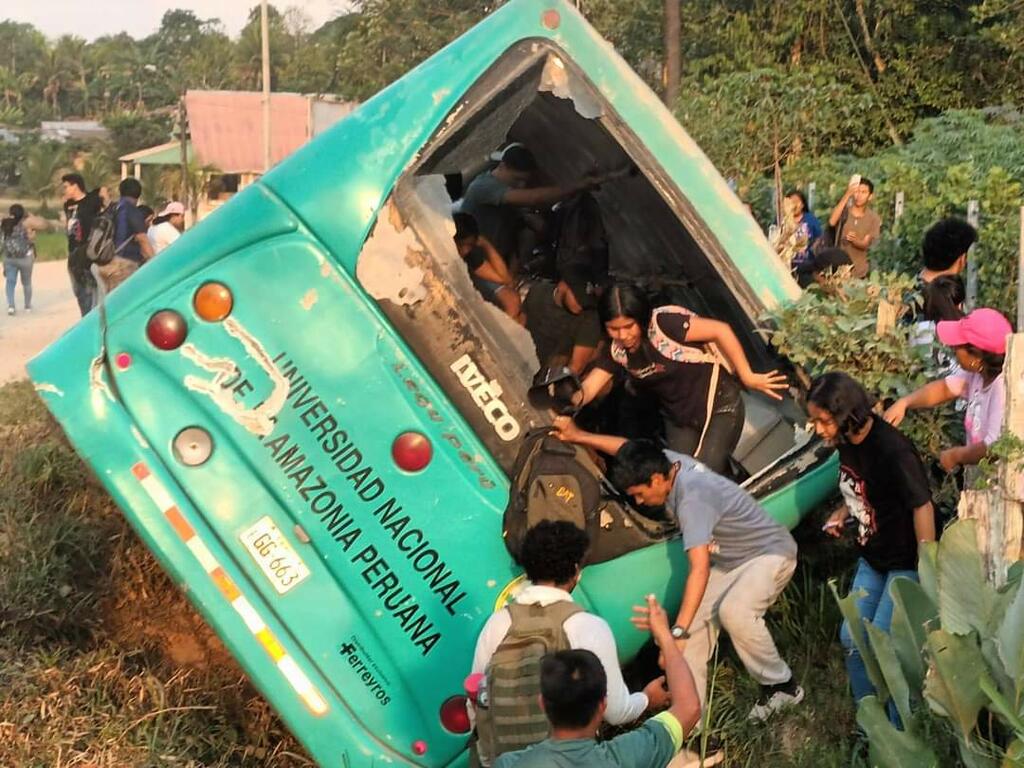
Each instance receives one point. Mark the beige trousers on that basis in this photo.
(736, 601)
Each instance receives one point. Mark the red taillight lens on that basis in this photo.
(454, 716)
(213, 302)
(411, 451)
(166, 329)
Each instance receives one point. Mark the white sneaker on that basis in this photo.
(687, 759)
(10, 310)
(774, 699)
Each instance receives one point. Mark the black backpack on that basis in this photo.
(99, 245)
(555, 480)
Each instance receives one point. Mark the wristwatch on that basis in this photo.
(678, 633)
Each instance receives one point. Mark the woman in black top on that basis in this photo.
(886, 491)
(673, 355)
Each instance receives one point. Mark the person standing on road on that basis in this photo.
(80, 211)
(19, 254)
(167, 226)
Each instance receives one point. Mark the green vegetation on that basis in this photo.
(51, 246)
(952, 663)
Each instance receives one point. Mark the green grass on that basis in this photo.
(51, 246)
(103, 662)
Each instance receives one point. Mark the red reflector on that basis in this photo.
(123, 360)
(411, 451)
(166, 329)
(454, 716)
(551, 18)
(419, 747)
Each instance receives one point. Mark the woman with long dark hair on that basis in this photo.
(886, 492)
(19, 253)
(693, 366)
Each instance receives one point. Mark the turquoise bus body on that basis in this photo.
(304, 388)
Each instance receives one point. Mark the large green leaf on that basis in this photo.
(974, 755)
(889, 665)
(928, 570)
(1002, 707)
(1010, 639)
(890, 747)
(966, 599)
(848, 608)
(953, 684)
(914, 614)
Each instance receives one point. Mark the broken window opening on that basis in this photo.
(535, 96)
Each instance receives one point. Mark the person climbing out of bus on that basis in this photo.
(886, 492)
(496, 198)
(979, 343)
(572, 693)
(740, 559)
(686, 363)
(487, 268)
(562, 320)
(510, 718)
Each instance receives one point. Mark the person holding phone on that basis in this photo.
(855, 223)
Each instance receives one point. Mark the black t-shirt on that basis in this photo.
(554, 329)
(80, 215)
(475, 259)
(681, 388)
(882, 481)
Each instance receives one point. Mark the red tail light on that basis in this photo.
(166, 329)
(411, 451)
(454, 716)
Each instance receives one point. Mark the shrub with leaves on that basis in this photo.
(836, 328)
(952, 663)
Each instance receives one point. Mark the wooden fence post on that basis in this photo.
(999, 509)
(973, 219)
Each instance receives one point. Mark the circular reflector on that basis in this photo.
(551, 19)
(213, 302)
(411, 451)
(193, 446)
(454, 716)
(419, 747)
(166, 329)
(123, 360)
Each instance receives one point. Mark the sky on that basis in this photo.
(92, 18)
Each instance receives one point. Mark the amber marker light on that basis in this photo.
(213, 302)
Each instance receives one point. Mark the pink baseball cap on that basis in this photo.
(172, 208)
(984, 328)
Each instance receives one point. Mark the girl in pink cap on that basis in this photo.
(979, 342)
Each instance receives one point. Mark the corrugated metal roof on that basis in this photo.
(226, 127)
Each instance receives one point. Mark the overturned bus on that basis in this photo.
(309, 415)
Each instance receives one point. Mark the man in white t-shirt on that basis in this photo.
(551, 555)
(167, 226)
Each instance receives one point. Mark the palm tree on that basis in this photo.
(71, 52)
(197, 178)
(43, 161)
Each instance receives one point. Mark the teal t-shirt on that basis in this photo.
(651, 745)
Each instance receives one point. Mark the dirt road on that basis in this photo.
(54, 310)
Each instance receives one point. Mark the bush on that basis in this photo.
(960, 156)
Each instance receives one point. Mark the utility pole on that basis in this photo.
(183, 144)
(265, 34)
(673, 54)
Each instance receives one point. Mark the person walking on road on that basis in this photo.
(19, 254)
(80, 211)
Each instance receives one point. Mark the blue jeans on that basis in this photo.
(84, 288)
(876, 607)
(13, 268)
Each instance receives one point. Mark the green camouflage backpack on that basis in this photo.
(510, 717)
